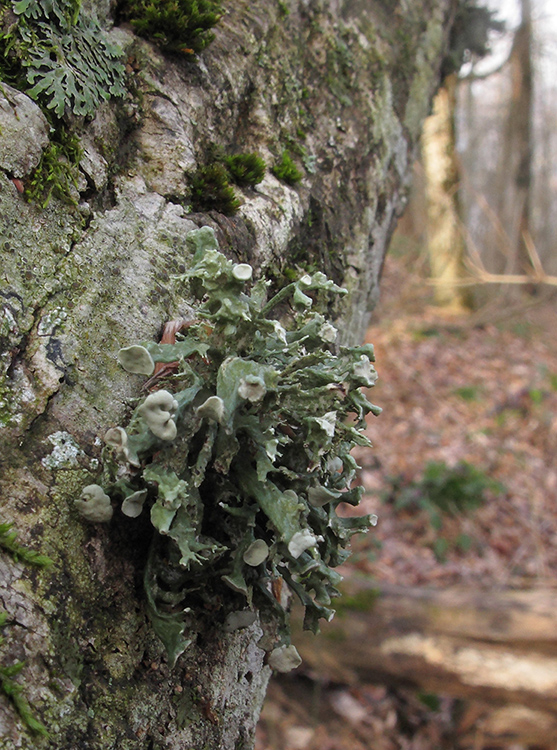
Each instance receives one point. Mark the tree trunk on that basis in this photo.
(516, 160)
(445, 241)
(346, 86)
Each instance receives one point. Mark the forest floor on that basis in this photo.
(479, 389)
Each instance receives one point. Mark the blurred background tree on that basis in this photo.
(487, 182)
(446, 243)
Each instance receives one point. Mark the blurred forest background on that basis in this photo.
(447, 634)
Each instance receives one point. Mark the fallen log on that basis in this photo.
(483, 725)
(498, 647)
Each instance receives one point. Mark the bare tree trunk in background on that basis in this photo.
(350, 82)
(446, 245)
(516, 159)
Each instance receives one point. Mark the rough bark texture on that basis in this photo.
(349, 81)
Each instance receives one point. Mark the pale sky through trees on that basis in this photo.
(545, 30)
(481, 124)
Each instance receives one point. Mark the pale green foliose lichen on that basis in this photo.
(69, 62)
(94, 504)
(133, 504)
(256, 553)
(238, 620)
(284, 658)
(158, 411)
(244, 455)
(136, 359)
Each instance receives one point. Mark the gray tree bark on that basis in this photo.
(349, 81)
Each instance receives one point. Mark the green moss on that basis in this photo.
(445, 489)
(468, 392)
(57, 172)
(210, 185)
(245, 169)
(286, 170)
(430, 700)
(293, 146)
(182, 26)
(69, 483)
(341, 67)
(15, 694)
(364, 601)
(335, 635)
(6, 400)
(405, 40)
(290, 274)
(9, 543)
(12, 689)
(211, 190)
(417, 106)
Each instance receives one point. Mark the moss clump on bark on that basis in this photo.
(212, 191)
(247, 170)
(57, 172)
(210, 188)
(183, 26)
(286, 170)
